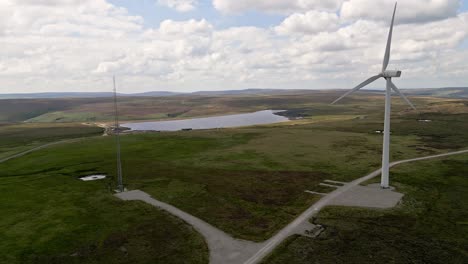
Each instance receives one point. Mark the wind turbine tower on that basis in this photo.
(387, 75)
(120, 186)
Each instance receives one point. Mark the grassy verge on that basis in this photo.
(429, 227)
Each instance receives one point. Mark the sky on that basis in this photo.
(193, 45)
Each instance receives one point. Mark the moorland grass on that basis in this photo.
(15, 138)
(51, 218)
(249, 182)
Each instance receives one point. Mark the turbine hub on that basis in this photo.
(391, 74)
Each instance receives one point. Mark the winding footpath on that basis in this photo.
(224, 249)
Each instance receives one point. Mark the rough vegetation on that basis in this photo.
(15, 138)
(249, 182)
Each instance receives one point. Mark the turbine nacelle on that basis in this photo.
(391, 74)
(386, 74)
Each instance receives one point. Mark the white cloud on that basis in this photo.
(309, 23)
(192, 26)
(162, 49)
(251, 56)
(76, 45)
(275, 6)
(179, 5)
(409, 11)
(59, 42)
(67, 17)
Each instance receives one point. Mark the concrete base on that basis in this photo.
(118, 191)
(372, 196)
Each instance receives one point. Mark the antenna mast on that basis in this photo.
(120, 186)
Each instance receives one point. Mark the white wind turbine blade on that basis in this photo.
(402, 95)
(389, 42)
(357, 88)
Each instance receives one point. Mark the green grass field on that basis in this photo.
(50, 218)
(234, 179)
(16, 138)
(430, 226)
(249, 182)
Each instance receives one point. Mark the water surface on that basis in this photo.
(239, 120)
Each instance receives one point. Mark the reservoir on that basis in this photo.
(238, 120)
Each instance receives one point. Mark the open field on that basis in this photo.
(430, 226)
(50, 218)
(249, 182)
(16, 138)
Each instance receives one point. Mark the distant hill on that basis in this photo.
(251, 92)
(53, 95)
(149, 94)
(449, 92)
(79, 95)
(153, 94)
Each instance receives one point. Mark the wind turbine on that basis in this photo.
(387, 75)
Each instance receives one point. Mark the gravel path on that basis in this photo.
(223, 248)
